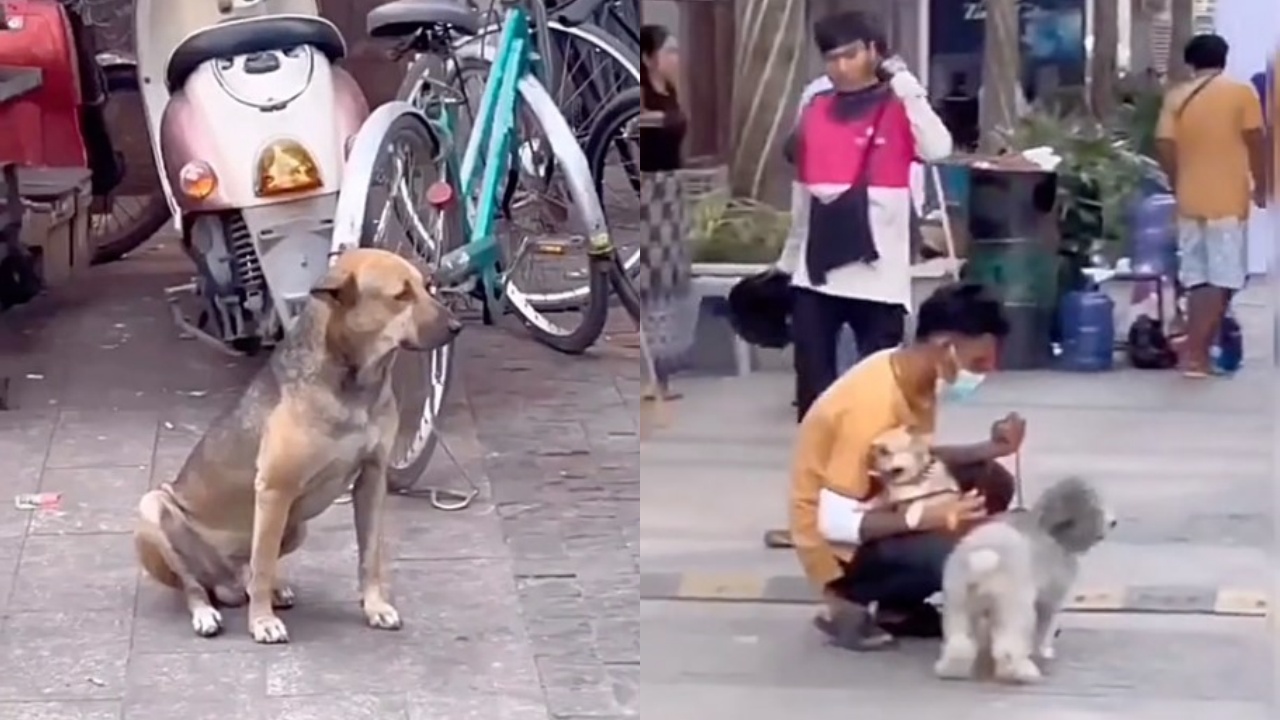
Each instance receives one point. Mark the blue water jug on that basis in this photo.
(1153, 234)
(1228, 351)
(1087, 319)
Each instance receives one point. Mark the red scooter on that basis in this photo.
(65, 121)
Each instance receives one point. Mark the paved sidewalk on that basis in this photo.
(1187, 464)
(521, 608)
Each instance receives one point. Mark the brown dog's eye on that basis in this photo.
(405, 295)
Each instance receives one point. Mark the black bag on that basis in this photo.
(1148, 347)
(760, 309)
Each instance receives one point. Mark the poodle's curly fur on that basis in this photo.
(1006, 581)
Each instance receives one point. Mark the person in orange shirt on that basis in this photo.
(876, 567)
(1211, 143)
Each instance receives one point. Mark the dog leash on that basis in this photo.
(445, 499)
(1018, 501)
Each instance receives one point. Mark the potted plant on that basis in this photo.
(1098, 178)
(737, 230)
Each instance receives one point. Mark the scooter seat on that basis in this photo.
(399, 18)
(252, 35)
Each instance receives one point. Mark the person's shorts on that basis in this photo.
(1212, 252)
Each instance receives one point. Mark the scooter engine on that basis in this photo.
(229, 280)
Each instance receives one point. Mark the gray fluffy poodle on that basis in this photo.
(1006, 581)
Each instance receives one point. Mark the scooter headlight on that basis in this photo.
(286, 167)
(197, 180)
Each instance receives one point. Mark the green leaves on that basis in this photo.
(737, 230)
(1098, 178)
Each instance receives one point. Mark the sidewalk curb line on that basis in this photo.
(796, 590)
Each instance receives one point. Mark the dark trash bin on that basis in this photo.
(1013, 250)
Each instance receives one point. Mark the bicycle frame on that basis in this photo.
(491, 134)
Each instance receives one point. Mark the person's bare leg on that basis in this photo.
(1202, 303)
(1217, 302)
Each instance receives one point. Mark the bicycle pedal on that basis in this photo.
(555, 247)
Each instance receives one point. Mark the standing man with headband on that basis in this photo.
(861, 128)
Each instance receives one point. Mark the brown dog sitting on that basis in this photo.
(908, 473)
(319, 417)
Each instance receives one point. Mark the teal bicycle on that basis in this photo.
(455, 207)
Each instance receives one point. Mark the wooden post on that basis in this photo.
(707, 40)
(1001, 76)
(772, 69)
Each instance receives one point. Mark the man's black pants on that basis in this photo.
(816, 321)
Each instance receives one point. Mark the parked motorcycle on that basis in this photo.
(250, 122)
(68, 120)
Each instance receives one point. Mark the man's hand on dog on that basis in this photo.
(1008, 433)
(955, 513)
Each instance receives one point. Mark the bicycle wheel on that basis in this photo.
(552, 214)
(549, 209)
(589, 68)
(137, 209)
(613, 152)
(396, 218)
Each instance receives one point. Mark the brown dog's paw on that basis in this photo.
(382, 615)
(283, 597)
(268, 630)
(206, 621)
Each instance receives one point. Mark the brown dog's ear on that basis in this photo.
(337, 290)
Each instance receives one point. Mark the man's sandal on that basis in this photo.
(778, 539)
(853, 630)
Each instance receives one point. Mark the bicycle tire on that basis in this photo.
(596, 307)
(623, 109)
(434, 368)
(571, 160)
(619, 53)
(155, 213)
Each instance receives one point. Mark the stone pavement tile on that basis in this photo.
(462, 625)
(579, 689)
(418, 531)
(626, 686)
(459, 703)
(68, 710)
(94, 500)
(172, 449)
(618, 639)
(76, 572)
(10, 551)
(332, 648)
(193, 685)
(24, 446)
(63, 655)
(226, 708)
(335, 705)
(711, 700)
(1123, 658)
(103, 439)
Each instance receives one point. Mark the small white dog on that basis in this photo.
(1006, 581)
(908, 472)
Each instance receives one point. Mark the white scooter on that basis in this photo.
(250, 122)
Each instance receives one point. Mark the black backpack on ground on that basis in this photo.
(1148, 347)
(760, 309)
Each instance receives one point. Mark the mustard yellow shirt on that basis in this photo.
(1214, 179)
(832, 450)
